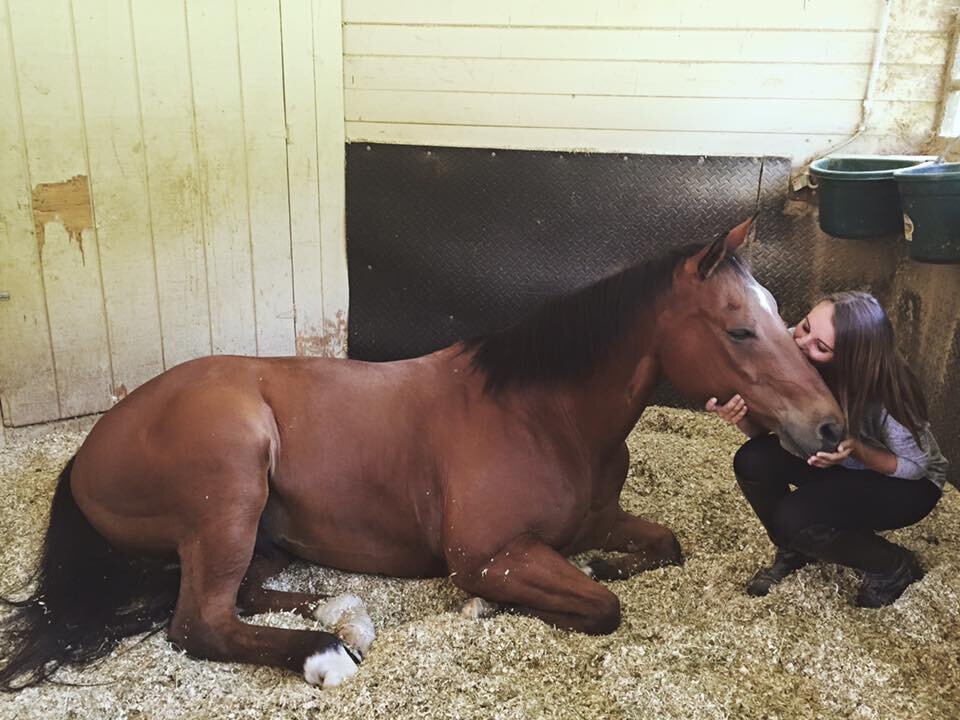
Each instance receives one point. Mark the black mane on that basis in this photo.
(565, 338)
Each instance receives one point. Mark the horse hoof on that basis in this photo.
(673, 554)
(329, 667)
(477, 608)
(677, 559)
(600, 569)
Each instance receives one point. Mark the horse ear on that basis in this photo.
(707, 260)
(742, 234)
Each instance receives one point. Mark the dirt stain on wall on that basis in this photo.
(65, 202)
(332, 342)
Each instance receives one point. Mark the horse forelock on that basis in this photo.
(566, 337)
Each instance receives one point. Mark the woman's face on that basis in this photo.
(815, 334)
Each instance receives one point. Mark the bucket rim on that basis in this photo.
(819, 170)
(929, 172)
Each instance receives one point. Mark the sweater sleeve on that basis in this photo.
(912, 459)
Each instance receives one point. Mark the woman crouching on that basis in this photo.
(888, 474)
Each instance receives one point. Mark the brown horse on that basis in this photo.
(489, 461)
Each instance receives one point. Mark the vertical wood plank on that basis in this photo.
(214, 61)
(169, 143)
(261, 66)
(108, 83)
(302, 155)
(328, 63)
(45, 59)
(28, 390)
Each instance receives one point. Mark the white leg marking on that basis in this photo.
(477, 607)
(584, 568)
(330, 667)
(346, 615)
(333, 609)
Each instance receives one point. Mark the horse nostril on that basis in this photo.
(831, 433)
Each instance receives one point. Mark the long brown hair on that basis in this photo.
(866, 366)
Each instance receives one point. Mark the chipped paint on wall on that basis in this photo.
(331, 342)
(65, 202)
(118, 394)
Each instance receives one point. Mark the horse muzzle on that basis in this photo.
(803, 443)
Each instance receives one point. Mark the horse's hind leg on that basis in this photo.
(205, 623)
(268, 560)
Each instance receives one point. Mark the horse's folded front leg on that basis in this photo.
(532, 578)
(647, 546)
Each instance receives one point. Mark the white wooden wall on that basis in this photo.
(171, 185)
(741, 77)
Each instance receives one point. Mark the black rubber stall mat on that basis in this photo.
(447, 243)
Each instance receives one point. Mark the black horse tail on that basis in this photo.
(86, 598)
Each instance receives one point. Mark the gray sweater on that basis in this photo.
(914, 461)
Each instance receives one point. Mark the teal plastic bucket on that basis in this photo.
(858, 195)
(930, 195)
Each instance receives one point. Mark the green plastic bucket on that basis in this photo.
(858, 195)
(930, 195)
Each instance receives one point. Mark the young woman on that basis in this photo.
(889, 473)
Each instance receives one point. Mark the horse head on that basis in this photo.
(719, 333)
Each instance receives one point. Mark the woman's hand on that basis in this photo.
(733, 411)
(826, 459)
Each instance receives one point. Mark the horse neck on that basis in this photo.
(606, 406)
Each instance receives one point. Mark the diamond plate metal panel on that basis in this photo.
(447, 242)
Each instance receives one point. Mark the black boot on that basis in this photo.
(887, 568)
(785, 562)
(879, 589)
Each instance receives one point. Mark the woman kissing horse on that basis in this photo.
(490, 461)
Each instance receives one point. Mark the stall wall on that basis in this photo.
(171, 185)
(172, 173)
(747, 77)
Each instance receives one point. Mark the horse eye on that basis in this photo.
(740, 334)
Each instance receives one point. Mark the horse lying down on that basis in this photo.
(490, 461)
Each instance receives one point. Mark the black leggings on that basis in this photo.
(835, 497)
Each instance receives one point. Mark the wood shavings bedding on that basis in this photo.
(692, 644)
